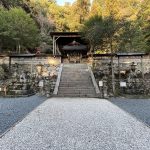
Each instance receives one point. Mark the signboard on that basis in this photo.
(41, 83)
(100, 83)
(123, 84)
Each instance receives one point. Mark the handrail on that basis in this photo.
(94, 81)
(58, 80)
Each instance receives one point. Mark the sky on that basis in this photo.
(61, 2)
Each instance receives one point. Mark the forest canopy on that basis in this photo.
(130, 24)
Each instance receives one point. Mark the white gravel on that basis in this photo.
(78, 124)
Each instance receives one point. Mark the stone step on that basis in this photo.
(76, 81)
(75, 87)
(77, 95)
(74, 74)
(76, 78)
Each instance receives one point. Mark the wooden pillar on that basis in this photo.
(55, 48)
(119, 68)
(31, 65)
(112, 73)
(53, 45)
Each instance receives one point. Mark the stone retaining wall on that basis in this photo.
(30, 71)
(138, 81)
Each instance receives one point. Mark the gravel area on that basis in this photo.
(138, 108)
(14, 109)
(78, 124)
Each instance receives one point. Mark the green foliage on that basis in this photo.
(101, 32)
(17, 28)
(132, 38)
(93, 31)
(96, 8)
(11, 3)
(82, 9)
(144, 18)
(128, 29)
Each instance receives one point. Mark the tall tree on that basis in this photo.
(96, 8)
(39, 10)
(144, 18)
(17, 29)
(93, 32)
(82, 8)
(9, 3)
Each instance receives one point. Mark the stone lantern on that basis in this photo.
(133, 66)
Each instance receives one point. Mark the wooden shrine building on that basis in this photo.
(69, 45)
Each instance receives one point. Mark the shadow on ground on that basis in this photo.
(14, 109)
(138, 108)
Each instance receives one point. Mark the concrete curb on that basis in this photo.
(58, 80)
(94, 81)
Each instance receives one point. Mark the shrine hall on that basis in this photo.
(70, 45)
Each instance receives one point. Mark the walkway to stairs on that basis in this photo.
(76, 81)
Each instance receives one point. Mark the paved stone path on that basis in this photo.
(14, 109)
(78, 124)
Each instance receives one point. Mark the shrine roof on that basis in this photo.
(118, 54)
(22, 55)
(65, 34)
(131, 54)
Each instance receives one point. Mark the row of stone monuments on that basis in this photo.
(129, 81)
(21, 82)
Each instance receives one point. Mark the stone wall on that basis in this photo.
(30, 73)
(137, 80)
(125, 62)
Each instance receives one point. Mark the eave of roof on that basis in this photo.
(131, 54)
(64, 33)
(22, 55)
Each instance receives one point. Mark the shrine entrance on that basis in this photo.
(74, 57)
(74, 51)
(70, 46)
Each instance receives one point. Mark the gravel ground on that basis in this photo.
(138, 108)
(78, 124)
(14, 109)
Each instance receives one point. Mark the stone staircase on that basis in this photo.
(76, 81)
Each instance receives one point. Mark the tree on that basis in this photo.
(58, 15)
(18, 29)
(71, 18)
(93, 32)
(111, 28)
(144, 19)
(40, 11)
(82, 8)
(96, 8)
(132, 38)
(9, 3)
